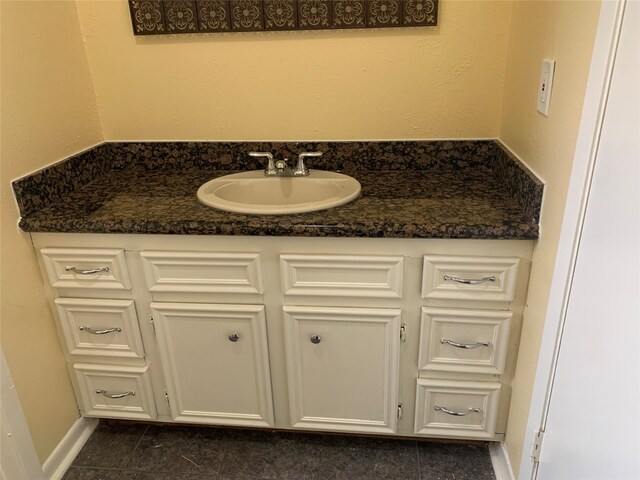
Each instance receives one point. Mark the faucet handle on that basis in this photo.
(271, 166)
(301, 168)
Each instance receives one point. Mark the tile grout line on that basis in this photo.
(136, 447)
(322, 452)
(418, 458)
(225, 453)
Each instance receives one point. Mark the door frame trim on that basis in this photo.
(594, 107)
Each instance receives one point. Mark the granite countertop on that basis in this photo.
(442, 202)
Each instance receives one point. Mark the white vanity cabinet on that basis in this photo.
(342, 350)
(462, 349)
(342, 366)
(91, 293)
(216, 363)
(214, 355)
(407, 337)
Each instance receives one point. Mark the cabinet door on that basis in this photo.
(215, 362)
(342, 368)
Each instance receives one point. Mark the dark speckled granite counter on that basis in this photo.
(409, 189)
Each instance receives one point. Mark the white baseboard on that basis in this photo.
(500, 461)
(62, 456)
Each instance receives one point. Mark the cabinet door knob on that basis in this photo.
(234, 337)
(316, 339)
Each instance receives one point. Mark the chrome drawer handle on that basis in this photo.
(73, 269)
(464, 345)
(315, 339)
(234, 337)
(101, 331)
(116, 395)
(469, 281)
(457, 414)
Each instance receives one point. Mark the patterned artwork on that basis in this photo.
(161, 17)
(147, 17)
(384, 13)
(314, 14)
(246, 14)
(213, 16)
(420, 12)
(280, 14)
(180, 16)
(349, 14)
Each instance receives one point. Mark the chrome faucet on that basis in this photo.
(281, 168)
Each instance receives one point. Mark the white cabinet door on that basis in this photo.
(342, 368)
(216, 363)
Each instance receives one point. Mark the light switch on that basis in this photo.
(544, 88)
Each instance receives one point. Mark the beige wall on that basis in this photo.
(444, 82)
(564, 31)
(48, 112)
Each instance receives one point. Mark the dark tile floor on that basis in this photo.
(128, 451)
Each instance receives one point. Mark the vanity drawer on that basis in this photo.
(203, 276)
(97, 327)
(456, 409)
(118, 392)
(463, 341)
(350, 280)
(86, 268)
(460, 278)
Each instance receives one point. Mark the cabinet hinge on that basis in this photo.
(399, 411)
(153, 325)
(537, 445)
(166, 397)
(403, 332)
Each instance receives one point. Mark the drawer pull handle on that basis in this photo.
(315, 339)
(456, 414)
(77, 270)
(469, 281)
(101, 331)
(115, 395)
(234, 337)
(446, 341)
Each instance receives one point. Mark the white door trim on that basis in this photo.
(19, 458)
(596, 96)
(500, 461)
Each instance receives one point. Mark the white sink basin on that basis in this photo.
(253, 192)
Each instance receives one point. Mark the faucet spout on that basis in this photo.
(282, 168)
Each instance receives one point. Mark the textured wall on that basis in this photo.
(48, 112)
(444, 82)
(564, 31)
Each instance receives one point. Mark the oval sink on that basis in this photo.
(253, 192)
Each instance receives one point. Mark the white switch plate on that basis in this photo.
(544, 88)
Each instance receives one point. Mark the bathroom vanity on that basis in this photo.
(309, 321)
